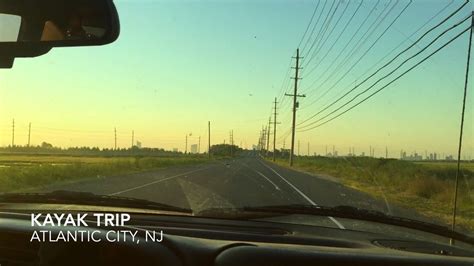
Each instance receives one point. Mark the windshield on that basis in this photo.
(217, 105)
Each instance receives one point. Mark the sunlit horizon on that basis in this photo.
(195, 70)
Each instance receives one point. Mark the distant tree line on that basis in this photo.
(48, 148)
(225, 150)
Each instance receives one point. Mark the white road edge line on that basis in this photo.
(271, 182)
(157, 181)
(303, 195)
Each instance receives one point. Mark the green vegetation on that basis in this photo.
(425, 187)
(48, 149)
(225, 150)
(19, 172)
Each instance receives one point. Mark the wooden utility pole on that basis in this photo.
(209, 139)
(13, 133)
(186, 143)
(133, 137)
(458, 173)
(274, 127)
(115, 137)
(231, 142)
(29, 134)
(268, 134)
(295, 105)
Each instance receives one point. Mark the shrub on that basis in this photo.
(427, 187)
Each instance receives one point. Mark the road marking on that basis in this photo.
(276, 187)
(303, 195)
(158, 181)
(271, 182)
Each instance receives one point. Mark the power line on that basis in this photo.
(274, 128)
(466, 79)
(389, 62)
(314, 27)
(406, 39)
(398, 77)
(318, 48)
(348, 42)
(338, 37)
(399, 66)
(323, 28)
(286, 80)
(309, 24)
(295, 95)
(358, 46)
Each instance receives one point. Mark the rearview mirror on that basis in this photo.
(31, 28)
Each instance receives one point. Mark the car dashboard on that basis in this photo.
(208, 241)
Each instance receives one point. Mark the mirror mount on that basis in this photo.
(6, 62)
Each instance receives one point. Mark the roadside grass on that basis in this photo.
(426, 187)
(23, 172)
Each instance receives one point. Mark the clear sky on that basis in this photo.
(179, 64)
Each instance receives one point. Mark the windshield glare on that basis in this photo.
(208, 105)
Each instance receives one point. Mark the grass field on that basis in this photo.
(426, 186)
(19, 172)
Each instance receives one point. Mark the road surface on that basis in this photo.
(244, 181)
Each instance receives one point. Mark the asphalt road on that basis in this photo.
(245, 181)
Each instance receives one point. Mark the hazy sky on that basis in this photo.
(179, 64)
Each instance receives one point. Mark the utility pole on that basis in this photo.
(186, 143)
(298, 147)
(386, 152)
(295, 105)
(274, 127)
(209, 139)
(308, 149)
(29, 134)
(268, 134)
(133, 137)
(231, 143)
(115, 134)
(264, 137)
(326, 150)
(199, 145)
(13, 134)
(458, 173)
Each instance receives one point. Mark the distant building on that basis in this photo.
(175, 149)
(412, 157)
(194, 148)
(139, 144)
